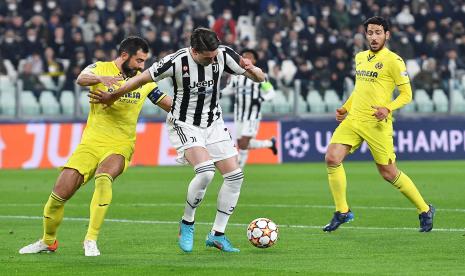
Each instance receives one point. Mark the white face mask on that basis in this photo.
(435, 38)
(423, 11)
(127, 7)
(165, 39)
(12, 6)
(51, 5)
(31, 38)
(404, 40)
(38, 8)
(319, 40)
(418, 38)
(168, 20)
(9, 40)
(325, 13)
(145, 22)
(227, 16)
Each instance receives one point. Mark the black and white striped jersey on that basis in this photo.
(196, 87)
(248, 97)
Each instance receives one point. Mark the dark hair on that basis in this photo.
(252, 51)
(203, 39)
(132, 44)
(376, 20)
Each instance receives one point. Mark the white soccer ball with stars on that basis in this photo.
(262, 232)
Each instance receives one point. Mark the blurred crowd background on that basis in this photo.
(305, 46)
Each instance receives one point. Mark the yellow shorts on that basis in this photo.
(86, 158)
(378, 136)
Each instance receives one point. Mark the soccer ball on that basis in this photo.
(262, 232)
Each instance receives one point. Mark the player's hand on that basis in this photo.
(381, 112)
(246, 63)
(101, 97)
(109, 81)
(341, 114)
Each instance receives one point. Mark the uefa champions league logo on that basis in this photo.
(296, 142)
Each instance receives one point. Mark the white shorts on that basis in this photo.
(247, 128)
(215, 138)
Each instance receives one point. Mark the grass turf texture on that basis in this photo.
(140, 235)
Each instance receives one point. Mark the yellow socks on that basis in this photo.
(99, 205)
(408, 189)
(54, 211)
(338, 184)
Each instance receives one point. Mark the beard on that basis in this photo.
(127, 71)
(379, 46)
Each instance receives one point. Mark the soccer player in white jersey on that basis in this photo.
(247, 104)
(195, 125)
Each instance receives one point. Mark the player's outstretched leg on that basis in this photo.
(204, 173)
(227, 200)
(39, 247)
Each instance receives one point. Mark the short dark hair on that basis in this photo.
(376, 20)
(132, 44)
(252, 51)
(203, 39)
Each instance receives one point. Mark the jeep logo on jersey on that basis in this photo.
(201, 84)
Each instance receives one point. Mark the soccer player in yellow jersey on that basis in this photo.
(106, 146)
(367, 116)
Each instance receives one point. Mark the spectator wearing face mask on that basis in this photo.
(269, 23)
(31, 43)
(405, 18)
(10, 47)
(224, 25)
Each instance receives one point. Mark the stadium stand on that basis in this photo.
(297, 41)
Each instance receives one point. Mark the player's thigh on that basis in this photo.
(196, 155)
(183, 137)
(114, 165)
(346, 134)
(379, 137)
(84, 160)
(219, 142)
(68, 183)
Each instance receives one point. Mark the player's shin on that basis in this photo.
(227, 199)
(338, 185)
(99, 205)
(409, 190)
(53, 215)
(204, 173)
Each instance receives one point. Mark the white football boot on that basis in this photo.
(38, 247)
(90, 248)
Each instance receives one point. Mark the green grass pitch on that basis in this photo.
(140, 234)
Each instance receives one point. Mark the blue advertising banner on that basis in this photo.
(414, 139)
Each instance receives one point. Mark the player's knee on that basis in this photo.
(206, 176)
(243, 144)
(205, 172)
(388, 175)
(332, 159)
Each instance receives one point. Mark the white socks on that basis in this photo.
(242, 157)
(204, 173)
(259, 144)
(227, 198)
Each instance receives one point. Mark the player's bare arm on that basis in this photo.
(102, 97)
(166, 103)
(87, 78)
(252, 72)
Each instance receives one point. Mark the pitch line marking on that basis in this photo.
(240, 205)
(238, 224)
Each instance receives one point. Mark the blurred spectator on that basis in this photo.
(54, 69)
(339, 16)
(428, 78)
(10, 47)
(338, 78)
(321, 75)
(31, 43)
(451, 67)
(198, 10)
(225, 25)
(304, 75)
(405, 18)
(91, 27)
(7, 68)
(269, 22)
(58, 43)
(30, 80)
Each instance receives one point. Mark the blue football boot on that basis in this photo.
(426, 219)
(338, 219)
(186, 237)
(220, 242)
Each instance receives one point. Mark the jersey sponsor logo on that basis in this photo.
(201, 84)
(379, 65)
(132, 95)
(365, 73)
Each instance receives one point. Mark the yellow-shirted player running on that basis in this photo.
(367, 116)
(106, 146)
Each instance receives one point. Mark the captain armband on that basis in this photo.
(155, 96)
(266, 86)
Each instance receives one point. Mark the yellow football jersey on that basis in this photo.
(117, 123)
(376, 76)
